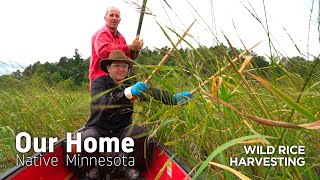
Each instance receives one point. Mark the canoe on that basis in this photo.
(163, 166)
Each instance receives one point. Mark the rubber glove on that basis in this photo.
(182, 97)
(139, 88)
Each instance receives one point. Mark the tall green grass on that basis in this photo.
(197, 130)
(40, 110)
(203, 133)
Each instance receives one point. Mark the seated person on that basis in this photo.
(111, 111)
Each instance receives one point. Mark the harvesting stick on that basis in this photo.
(143, 10)
(165, 58)
(224, 68)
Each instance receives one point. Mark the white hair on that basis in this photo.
(112, 7)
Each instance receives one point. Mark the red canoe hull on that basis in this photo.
(163, 166)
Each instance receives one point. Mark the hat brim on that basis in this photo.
(106, 62)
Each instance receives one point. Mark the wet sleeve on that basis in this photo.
(160, 95)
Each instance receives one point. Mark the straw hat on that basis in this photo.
(116, 55)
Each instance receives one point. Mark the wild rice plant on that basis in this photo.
(251, 106)
(40, 110)
(269, 106)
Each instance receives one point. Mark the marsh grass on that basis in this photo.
(40, 110)
(198, 129)
(204, 133)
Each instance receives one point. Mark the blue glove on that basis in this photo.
(138, 88)
(182, 97)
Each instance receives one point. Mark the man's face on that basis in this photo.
(113, 18)
(118, 70)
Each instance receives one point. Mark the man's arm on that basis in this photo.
(170, 99)
(141, 89)
(160, 95)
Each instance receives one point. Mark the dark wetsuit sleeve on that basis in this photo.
(164, 96)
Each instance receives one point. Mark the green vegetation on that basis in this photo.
(33, 106)
(208, 130)
(266, 103)
(209, 122)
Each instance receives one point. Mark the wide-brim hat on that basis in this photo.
(116, 55)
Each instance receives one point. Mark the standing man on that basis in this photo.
(107, 39)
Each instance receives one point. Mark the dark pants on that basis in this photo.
(141, 153)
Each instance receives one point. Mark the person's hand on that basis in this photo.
(136, 44)
(182, 97)
(141, 42)
(139, 88)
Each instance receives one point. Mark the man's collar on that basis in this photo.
(115, 33)
(111, 81)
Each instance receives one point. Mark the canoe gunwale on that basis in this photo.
(19, 167)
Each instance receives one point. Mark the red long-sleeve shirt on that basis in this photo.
(104, 41)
